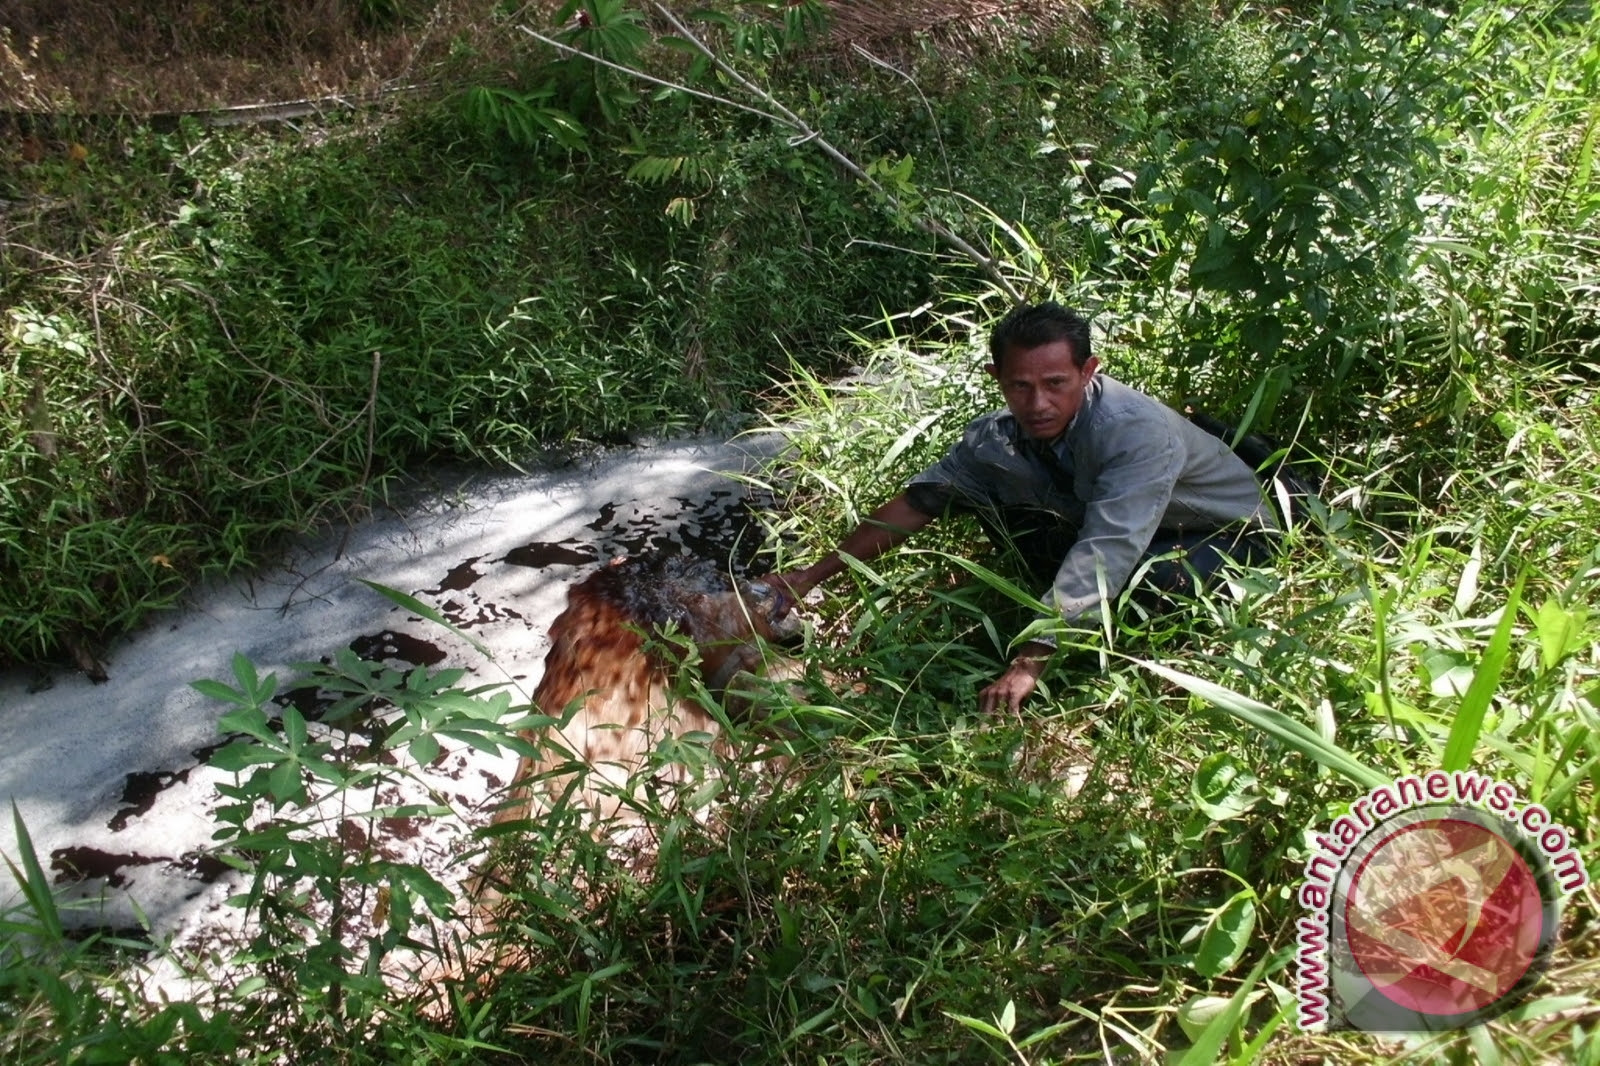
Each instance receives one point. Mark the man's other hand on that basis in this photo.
(1018, 682)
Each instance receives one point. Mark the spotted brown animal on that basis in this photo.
(600, 659)
(619, 686)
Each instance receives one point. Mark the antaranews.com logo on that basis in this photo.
(1432, 905)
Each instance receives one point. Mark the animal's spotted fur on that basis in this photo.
(599, 656)
(600, 659)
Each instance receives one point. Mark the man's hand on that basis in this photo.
(1018, 682)
(795, 583)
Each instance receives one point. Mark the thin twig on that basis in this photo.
(642, 76)
(933, 119)
(923, 223)
(804, 133)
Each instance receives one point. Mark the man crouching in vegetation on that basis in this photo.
(1085, 477)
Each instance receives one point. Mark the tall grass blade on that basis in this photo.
(411, 603)
(1207, 1048)
(1464, 732)
(1295, 734)
(33, 882)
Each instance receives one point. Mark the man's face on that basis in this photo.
(1043, 387)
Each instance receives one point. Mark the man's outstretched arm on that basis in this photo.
(882, 530)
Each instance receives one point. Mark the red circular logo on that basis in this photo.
(1444, 916)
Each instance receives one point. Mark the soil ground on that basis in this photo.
(87, 57)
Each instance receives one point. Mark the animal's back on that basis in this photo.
(598, 655)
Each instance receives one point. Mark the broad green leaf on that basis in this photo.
(1560, 632)
(1207, 1047)
(245, 672)
(251, 720)
(1197, 1012)
(1227, 934)
(294, 728)
(249, 987)
(477, 741)
(1264, 334)
(1221, 787)
(216, 690)
(237, 756)
(424, 749)
(1448, 673)
(438, 898)
(284, 782)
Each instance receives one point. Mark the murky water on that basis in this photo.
(111, 779)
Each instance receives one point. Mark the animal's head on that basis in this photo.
(752, 607)
(712, 607)
(718, 613)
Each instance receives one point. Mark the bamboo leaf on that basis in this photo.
(33, 882)
(416, 606)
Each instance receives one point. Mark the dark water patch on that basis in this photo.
(402, 647)
(353, 835)
(201, 865)
(542, 553)
(401, 828)
(88, 864)
(459, 579)
(98, 938)
(638, 536)
(140, 792)
(723, 527)
(477, 613)
(309, 700)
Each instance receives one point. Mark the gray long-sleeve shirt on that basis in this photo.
(1127, 467)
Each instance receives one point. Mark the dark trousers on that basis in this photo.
(1041, 540)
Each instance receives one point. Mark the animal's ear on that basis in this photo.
(697, 608)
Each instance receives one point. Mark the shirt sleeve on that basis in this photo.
(959, 477)
(1140, 461)
(931, 499)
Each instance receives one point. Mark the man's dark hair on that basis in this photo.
(1031, 325)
